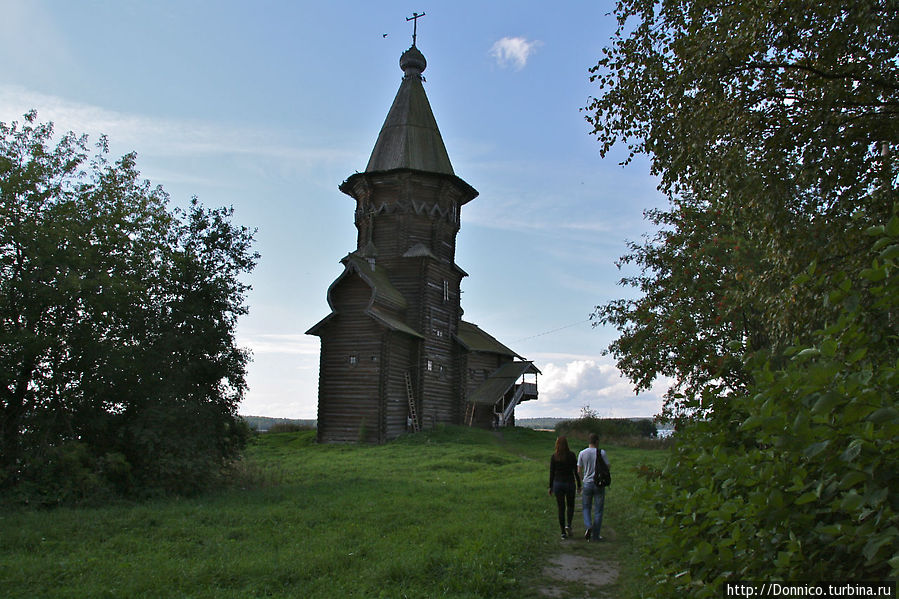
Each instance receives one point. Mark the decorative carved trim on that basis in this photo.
(430, 209)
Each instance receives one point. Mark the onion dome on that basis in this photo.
(413, 62)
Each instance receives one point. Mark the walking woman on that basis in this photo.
(563, 479)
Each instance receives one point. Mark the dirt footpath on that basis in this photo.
(580, 570)
(576, 568)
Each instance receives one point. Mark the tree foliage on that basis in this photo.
(773, 129)
(796, 480)
(769, 125)
(118, 363)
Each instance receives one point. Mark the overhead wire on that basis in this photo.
(562, 328)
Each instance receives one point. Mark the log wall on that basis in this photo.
(364, 360)
(399, 356)
(349, 407)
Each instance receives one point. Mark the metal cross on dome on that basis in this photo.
(415, 16)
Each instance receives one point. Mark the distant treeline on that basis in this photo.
(617, 429)
(539, 423)
(264, 424)
(644, 427)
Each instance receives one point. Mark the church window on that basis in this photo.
(445, 291)
(430, 365)
(354, 359)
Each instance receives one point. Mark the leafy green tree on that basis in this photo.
(769, 125)
(117, 318)
(796, 479)
(773, 129)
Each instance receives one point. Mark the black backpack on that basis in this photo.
(602, 477)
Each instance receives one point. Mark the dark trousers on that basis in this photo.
(564, 493)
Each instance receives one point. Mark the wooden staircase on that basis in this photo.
(520, 391)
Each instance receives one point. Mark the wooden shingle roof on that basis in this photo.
(386, 301)
(500, 381)
(409, 137)
(473, 338)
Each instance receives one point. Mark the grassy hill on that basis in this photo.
(456, 512)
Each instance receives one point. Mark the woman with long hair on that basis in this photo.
(563, 479)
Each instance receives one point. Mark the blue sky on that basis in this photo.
(268, 106)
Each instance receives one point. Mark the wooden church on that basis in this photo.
(396, 355)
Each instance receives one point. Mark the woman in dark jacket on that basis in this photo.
(563, 478)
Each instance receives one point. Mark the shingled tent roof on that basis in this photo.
(409, 137)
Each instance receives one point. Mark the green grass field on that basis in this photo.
(455, 512)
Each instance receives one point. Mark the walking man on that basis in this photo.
(594, 496)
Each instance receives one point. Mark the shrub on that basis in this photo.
(793, 480)
(63, 474)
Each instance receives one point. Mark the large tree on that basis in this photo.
(769, 291)
(118, 362)
(770, 124)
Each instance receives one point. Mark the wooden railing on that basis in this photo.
(523, 391)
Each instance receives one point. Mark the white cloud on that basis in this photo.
(580, 378)
(514, 51)
(572, 382)
(282, 380)
(156, 135)
(278, 343)
(493, 220)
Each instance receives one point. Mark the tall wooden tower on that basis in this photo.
(395, 354)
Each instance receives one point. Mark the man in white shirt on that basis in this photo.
(594, 496)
